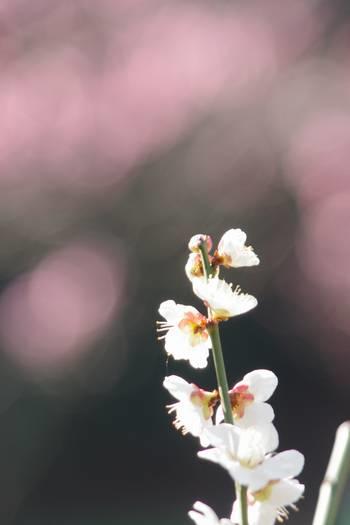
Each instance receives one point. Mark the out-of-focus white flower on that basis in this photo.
(217, 294)
(248, 399)
(204, 515)
(194, 409)
(243, 452)
(186, 333)
(270, 503)
(232, 251)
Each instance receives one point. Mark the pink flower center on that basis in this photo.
(194, 325)
(205, 400)
(240, 398)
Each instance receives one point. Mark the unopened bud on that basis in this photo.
(199, 239)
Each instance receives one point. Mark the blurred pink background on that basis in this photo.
(125, 128)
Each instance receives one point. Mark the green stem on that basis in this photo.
(218, 357)
(243, 504)
(220, 370)
(221, 377)
(335, 479)
(208, 270)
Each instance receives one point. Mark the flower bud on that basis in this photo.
(197, 240)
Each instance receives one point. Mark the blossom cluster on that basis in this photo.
(246, 445)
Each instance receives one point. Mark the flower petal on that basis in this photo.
(253, 445)
(176, 344)
(260, 514)
(269, 437)
(178, 387)
(234, 236)
(219, 416)
(224, 302)
(254, 479)
(224, 436)
(198, 355)
(168, 310)
(204, 515)
(284, 465)
(232, 248)
(261, 383)
(256, 414)
(242, 303)
(212, 454)
(286, 492)
(191, 419)
(174, 312)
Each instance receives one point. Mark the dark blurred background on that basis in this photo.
(126, 127)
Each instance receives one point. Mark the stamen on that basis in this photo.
(282, 514)
(179, 426)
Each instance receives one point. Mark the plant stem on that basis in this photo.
(243, 504)
(334, 482)
(220, 370)
(218, 357)
(221, 377)
(208, 270)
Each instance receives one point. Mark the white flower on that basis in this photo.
(243, 452)
(204, 515)
(194, 410)
(218, 295)
(186, 333)
(248, 399)
(233, 252)
(270, 503)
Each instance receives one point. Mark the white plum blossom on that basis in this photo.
(232, 251)
(186, 333)
(244, 454)
(204, 515)
(224, 302)
(194, 409)
(248, 399)
(270, 503)
(246, 449)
